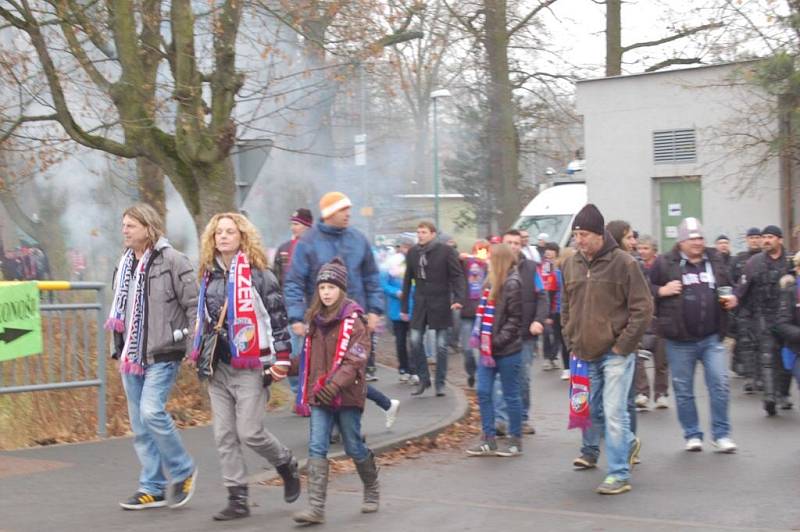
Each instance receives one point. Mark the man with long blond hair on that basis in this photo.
(155, 296)
(242, 298)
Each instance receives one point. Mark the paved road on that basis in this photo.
(755, 489)
(75, 487)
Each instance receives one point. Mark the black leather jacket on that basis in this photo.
(267, 287)
(507, 328)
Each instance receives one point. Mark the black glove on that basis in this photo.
(267, 377)
(327, 394)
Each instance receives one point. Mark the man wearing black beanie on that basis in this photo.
(759, 290)
(606, 307)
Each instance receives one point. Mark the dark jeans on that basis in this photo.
(661, 372)
(554, 341)
(378, 397)
(400, 329)
(371, 360)
(421, 362)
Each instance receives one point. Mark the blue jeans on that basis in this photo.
(156, 441)
(590, 440)
(297, 350)
(349, 422)
(528, 351)
(421, 363)
(683, 357)
(610, 380)
(508, 367)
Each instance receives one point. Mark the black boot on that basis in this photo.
(237, 505)
(421, 387)
(291, 479)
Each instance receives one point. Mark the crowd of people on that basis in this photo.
(28, 262)
(598, 310)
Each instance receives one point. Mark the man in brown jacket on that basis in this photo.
(605, 310)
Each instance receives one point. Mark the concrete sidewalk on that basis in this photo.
(77, 487)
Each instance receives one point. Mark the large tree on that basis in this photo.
(163, 79)
(495, 24)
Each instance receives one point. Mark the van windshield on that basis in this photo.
(555, 225)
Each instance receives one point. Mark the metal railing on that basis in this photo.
(74, 348)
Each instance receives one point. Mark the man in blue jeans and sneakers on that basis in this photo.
(606, 307)
(694, 294)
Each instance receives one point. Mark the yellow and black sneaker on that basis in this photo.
(143, 501)
(182, 491)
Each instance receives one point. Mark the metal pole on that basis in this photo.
(435, 169)
(101, 367)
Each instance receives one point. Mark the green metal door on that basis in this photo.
(679, 199)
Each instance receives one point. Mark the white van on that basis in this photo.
(552, 211)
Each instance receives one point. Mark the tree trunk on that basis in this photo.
(218, 186)
(150, 183)
(503, 148)
(613, 37)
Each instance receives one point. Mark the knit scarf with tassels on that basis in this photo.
(132, 358)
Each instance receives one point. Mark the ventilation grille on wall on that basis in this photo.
(674, 146)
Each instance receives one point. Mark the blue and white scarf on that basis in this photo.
(132, 359)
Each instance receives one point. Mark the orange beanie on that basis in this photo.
(333, 202)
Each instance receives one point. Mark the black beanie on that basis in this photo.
(722, 237)
(772, 230)
(589, 219)
(334, 272)
(754, 231)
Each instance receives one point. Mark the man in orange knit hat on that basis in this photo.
(333, 237)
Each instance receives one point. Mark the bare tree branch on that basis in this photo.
(527, 18)
(674, 37)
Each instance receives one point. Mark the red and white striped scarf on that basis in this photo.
(482, 330)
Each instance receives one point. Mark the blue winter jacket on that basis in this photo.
(319, 245)
(391, 286)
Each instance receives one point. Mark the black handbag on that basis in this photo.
(209, 348)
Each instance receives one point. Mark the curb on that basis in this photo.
(459, 413)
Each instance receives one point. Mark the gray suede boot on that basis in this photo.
(317, 489)
(368, 471)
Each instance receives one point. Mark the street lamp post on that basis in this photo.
(435, 95)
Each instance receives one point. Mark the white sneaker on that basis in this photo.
(548, 365)
(694, 445)
(662, 402)
(565, 375)
(391, 414)
(403, 377)
(413, 380)
(642, 400)
(724, 445)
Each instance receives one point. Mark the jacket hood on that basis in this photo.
(609, 245)
(162, 244)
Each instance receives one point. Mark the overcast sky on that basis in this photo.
(578, 27)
